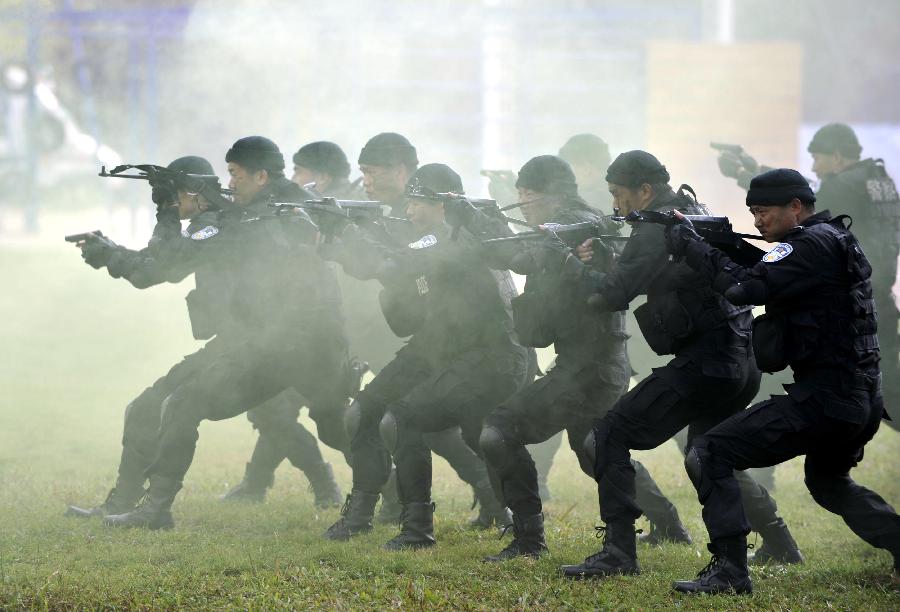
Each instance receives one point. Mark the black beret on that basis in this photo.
(836, 138)
(548, 174)
(192, 164)
(388, 149)
(778, 187)
(585, 148)
(323, 156)
(634, 168)
(432, 179)
(256, 153)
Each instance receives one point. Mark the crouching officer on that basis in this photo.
(820, 321)
(591, 370)
(460, 362)
(710, 377)
(281, 325)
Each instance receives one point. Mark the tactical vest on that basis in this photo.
(836, 327)
(681, 305)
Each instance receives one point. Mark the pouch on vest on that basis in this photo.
(664, 322)
(404, 311)
(200, 314)
(529, 320)
(769, 342)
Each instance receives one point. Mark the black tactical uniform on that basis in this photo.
(373, 341)
(591, 370)
(820, 320)
(461, 361)
(282, 327)
(151, 266)
(711, 377)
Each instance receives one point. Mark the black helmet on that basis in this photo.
(256, 153)
(323, 156)
(548, 174)
(836, 138)
(635, 168)
(432, 179)
(388, 149)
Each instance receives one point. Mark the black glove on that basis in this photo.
(679, 236)
(97, 251)
(118, 264)
(162, 194)
(552, 253)
(167, 215)
(458, 211)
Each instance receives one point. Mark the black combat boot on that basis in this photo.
(672, 533)
(725, 573)
(154, 511)
(325, 489)
(416, 527)
(252, 488)
(121, 498)
(528, 539)
(778, 545)
(618, 555)
(356, 517)
(389, 513)
(491, 512)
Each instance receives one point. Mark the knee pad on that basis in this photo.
(693, 468)
(352, 419)
(493, 444)
(389, 429)
(594, 447)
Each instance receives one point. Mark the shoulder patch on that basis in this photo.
(424, 242)
(207, 232)
(781, 250)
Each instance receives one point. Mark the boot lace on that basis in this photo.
(712, 566)
(346, 507)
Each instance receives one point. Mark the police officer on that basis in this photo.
(282, 326)
(591, 369)
(387, 162)
(589, 157)
(711, 376)
(862, 189)
(820, 320)
(324, 165)
(145, 268)
(459, 362)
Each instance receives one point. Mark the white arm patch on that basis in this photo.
(207, 232)
(424, 242)
(781, 250)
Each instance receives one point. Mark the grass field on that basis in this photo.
(78, 346)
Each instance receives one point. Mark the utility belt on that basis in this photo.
(668, 326)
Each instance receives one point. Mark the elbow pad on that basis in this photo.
(744, 294)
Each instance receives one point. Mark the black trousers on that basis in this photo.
(424, 397)
(889, 344)
(244, 374)
(695, 389)
(568, 397)
(811, 420)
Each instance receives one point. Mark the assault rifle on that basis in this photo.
(715, 230)
(572, 234)
(331, 214)
(171, 181)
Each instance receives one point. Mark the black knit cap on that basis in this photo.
(548, 174)
(585, 149)
(836, 138)
(635, 168)
(388, 149)
(432, 179)
(192, 164)
(323, 156)
(778, 187)
(256, 153)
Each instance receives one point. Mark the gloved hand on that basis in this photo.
(551, 253)
(97, 251)
(680, 235)
(167, 215)
(458, 211)
(730, 164)
(162, 194)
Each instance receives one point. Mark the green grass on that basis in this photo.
(78, 346)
